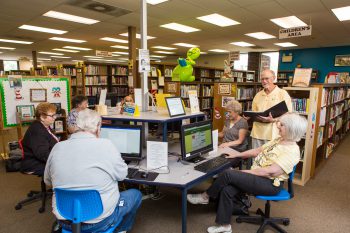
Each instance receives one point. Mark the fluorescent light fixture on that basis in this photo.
(67, 40)
(164, 47)
(123, 58)
(114, 40)
(60, 57)
(1, 52)
(155, 2)
(7, 48)
(116, 55)
(67, 50)
(138, 36)
(218, 50)
(218, 20)
(68, 17)
(50, 53)
(260, 35)
(342, 13)
(289, 22)
(157, 56)
(44, 59)
(286, 44)
(15, 41)
(99, 59)
(120, 47)
(78, 60)
(42, 29)
(186, 45)
(180, 27)
(77, 48)
(123, 53)
(242, 44)
(204, 53)
(164, 52)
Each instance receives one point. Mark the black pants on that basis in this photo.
(232, 182)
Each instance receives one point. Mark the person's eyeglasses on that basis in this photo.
(52, 116)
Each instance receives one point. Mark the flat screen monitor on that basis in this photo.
(196, 140)
(175, 106)
(126, 138)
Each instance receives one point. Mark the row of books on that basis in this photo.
(338, 94)
(207, 80)
(207, 91)
(96, 80)
(52, 71)
(245, 93)
(92, 91)
(301, 105)
(218, 73)
(185, 88)
(96, 70)
(119, 80)
(206, 103)
(122, 91)
(69, 71)
(336, 110)
(204, 73)
(119, 70)
(247, 106)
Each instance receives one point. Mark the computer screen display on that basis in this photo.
(196, 139)
(175, 107)
(126, 138)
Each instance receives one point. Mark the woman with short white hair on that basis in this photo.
(272, 163)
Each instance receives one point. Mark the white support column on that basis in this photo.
(144, 80)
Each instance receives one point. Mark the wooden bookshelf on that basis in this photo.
(285, 77)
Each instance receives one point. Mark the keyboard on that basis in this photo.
(211, 164)
(131, 172)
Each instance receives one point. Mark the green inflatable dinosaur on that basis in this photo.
(183, 71)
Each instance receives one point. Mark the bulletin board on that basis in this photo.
(57, 91)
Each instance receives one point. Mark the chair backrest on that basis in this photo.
(78, 205)
(290, 182)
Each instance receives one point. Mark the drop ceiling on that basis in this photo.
(254, 16)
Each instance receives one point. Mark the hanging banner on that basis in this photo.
(100, 53)
(234, 56)
(295, 32)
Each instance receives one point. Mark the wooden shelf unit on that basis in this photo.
(285, 77)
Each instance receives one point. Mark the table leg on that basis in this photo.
(165, 133)
(184, 211)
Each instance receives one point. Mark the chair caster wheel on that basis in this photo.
(18, 207)
(286, 222)
(238, 220)
(41, 210)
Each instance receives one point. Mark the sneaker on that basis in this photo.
(219, 229)
(197, 199)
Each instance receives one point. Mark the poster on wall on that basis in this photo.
(38, 95)
(226, 99)
(15, 81)
(224, 89)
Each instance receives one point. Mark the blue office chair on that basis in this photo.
(79, 206)
(264, 219)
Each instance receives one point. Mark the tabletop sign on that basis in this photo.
(234, 56)
(286, 33)
(100, 53)
(144, 62)
(302, 77)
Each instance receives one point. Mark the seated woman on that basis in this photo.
(39, 140)
(272, 164)
(235, 129)
(79, 103)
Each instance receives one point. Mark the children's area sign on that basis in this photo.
(295, 32)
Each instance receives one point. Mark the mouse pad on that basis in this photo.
(151, 176)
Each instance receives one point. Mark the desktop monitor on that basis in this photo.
(126, 138)
(196, 140)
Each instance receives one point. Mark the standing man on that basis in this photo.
(265, 128)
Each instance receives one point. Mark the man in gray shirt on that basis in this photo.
(86, 161)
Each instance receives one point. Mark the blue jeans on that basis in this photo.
(123, 215)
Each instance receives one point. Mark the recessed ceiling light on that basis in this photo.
(77, 48)
(67, 50)
(260, 35)
(123, 53)
(16, 41)
(42, 29)
(157, 56)
(67, 39)
(44, 59)
(242, 44)
(68, 17)
(114, 40)
(289, 22)
(164, 52)
(164, 47)
(180, 27)
(342, 13)
(51, 53)
(120, 47)
(138, 36)
(155, 2)
(60, 57)
(286, 44)
(218, 50)
(218, 20)
(7, 48)
(186, 45)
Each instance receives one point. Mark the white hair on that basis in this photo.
(235, 106)
(88, 120)
(295, 124)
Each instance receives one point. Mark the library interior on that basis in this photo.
(124, 115)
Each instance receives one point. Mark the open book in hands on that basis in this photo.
(276, 111)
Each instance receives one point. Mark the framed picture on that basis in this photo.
(38, 95)
(26, 111)
(302, 77)
(342, 60)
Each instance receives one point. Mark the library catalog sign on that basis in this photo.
(295, 32)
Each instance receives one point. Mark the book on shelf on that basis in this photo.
(320, 136)
(301, 105)
(154, 85)
(276, 111)
(323, 112)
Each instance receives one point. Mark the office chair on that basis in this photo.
(264, 218)
(79, 206)
(34, 195)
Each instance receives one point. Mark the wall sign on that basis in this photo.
(295, 32)
(234, 56)
(38, 95)
(224, 89)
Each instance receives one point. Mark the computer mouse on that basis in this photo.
(144, 175)
(224, 155)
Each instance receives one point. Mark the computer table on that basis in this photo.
(181, 176)
(153, 117)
